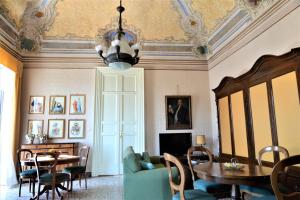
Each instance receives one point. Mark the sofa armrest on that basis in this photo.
(148, 185)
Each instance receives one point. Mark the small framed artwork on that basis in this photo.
(77, 104)
(56, 128)
(76, 128)
(57, 105)
(35, 127)
(36, 104)
(178, 112)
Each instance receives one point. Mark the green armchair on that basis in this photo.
(145, 184)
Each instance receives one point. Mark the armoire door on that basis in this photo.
(120, 112)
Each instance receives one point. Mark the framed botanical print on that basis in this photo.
(77, 104)
(56, 128)
(76, 128)
(57, 105)
(35, 127)
(36, 104)
(178, 112)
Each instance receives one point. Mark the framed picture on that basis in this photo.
(35, 127)
(76, 128)
(57, 105)
(77, 104)
(178, 112)
(36, 104)
(56, 128)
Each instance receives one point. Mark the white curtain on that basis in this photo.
(7, 85)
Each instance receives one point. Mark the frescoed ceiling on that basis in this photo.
(195, 23)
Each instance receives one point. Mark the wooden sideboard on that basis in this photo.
(63, 148)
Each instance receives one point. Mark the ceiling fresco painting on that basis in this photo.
(198, 23)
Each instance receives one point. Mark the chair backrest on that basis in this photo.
(84, 155)
(280, 169)
(175, 187)
(23, 153)
(51, 163)
(190, 152)
(267, 149)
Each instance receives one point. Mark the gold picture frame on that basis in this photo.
(56, 128)
(76, 128)
(57, 105)
(77, 105)
(36, 105)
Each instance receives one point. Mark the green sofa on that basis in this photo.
(142, 184)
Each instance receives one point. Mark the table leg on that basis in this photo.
(40, 193)
(235, 192)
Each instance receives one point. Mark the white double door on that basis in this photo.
(119, 118)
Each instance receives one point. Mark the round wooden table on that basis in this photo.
(249, 175)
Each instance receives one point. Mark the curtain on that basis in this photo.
(10, 132)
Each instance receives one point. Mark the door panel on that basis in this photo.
(261, 119)
(109, 155)
(239, 124)
(225, 126)
(287, 111)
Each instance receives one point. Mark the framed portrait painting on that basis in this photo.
(178, 112)
(57, 105)
(77, 104)
(35, 127)
(56, 128)
(36, 104)
(76, 128)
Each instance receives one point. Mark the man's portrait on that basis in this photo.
(178, 112)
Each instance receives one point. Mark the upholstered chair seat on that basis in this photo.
(59, 177)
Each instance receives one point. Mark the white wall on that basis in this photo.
(278, 39)
(158, 84)
(46, 82)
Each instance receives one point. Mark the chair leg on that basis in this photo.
(47, 194)
(38, 192)
(79, 176)
(29, 185)
(85, 181)
(20, 187)
(33, 187)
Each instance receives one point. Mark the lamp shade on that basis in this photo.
(200, 140)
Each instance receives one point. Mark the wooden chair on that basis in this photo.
(258, 191)
(206, 186)
(80, 169)
(24, 173)
(281, 169)
(177, 190)
(51, 179)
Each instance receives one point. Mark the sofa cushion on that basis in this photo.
(146, 165)
(146, 157)
(131, 162)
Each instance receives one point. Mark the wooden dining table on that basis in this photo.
(249, 175)
(45, 161)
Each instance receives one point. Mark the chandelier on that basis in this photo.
(120, 55)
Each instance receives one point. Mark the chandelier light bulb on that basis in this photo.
(136, 46)
(115, 43)
(98, 48)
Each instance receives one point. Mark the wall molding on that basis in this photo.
(269, 18)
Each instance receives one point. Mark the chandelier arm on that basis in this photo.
(101, 55)
(118, 48)
(136, 52)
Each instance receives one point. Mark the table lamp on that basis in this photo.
(200, 140)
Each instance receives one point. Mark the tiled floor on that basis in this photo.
(100, 188)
